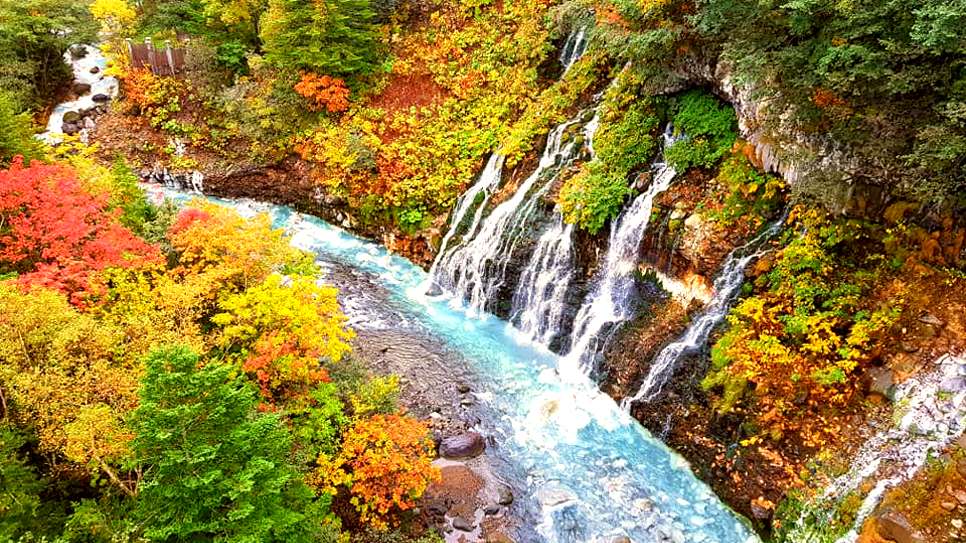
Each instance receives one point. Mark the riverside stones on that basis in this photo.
(894, 526)
(930, 319)
(465, 445)
(462, 524)
(881, 381)
(505, 497)
(72, 117)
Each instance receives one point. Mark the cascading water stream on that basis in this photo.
(476, 269)
(583, 470)
(573, 48)
(89, 70)
(931, 413)
(538, 305)
(726, 287)
(489, 179)
(611, 301)
(538, 302)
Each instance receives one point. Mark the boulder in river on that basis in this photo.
(95, 69)
(462, 524)
(881, 382)
(72, 117)
(78, 52)
(81, 88)
(894, 526)
(505, 496)
(100, 97)
(465, 445)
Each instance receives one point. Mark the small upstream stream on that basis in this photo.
(582, 469)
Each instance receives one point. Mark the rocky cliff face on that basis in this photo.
(811, 163)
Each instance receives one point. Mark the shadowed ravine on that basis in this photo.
(585, 471)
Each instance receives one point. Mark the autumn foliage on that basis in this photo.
(324, 93)
(283, 330)
(385, 462)
(55, 234)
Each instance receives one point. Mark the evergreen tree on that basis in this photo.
(19, 488)
(16, 132)
(218, 470)
(332, 37)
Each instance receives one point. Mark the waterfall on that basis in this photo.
(488, 180)
(931, 413)
(611, 301)
(538, 302)
(726, 287)
(475, 270)
(573, 48)
(538, 305)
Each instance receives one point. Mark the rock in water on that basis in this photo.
(506, 496)
(881, 381)
(895, 526)
(101, 98)
(95, 69)
(466, 445)
(81, 88)
(78, 52)
(462, 524)
(72, 117)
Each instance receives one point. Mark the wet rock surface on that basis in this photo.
(894, 526)
(465, 445)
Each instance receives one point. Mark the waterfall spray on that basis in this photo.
(489, 179)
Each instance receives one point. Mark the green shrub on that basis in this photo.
(629, 141)
(710, 129)
(592, 197)
(624, 143)
(749, 191)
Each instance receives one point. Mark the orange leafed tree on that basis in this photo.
(324, 93)
(386, 462)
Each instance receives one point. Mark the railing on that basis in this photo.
(165, 61)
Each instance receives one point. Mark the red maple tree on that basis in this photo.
(55, 234)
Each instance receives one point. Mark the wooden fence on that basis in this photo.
(164, 61)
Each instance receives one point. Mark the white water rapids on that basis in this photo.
(99, 82)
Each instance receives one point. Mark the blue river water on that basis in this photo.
(585, 470)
